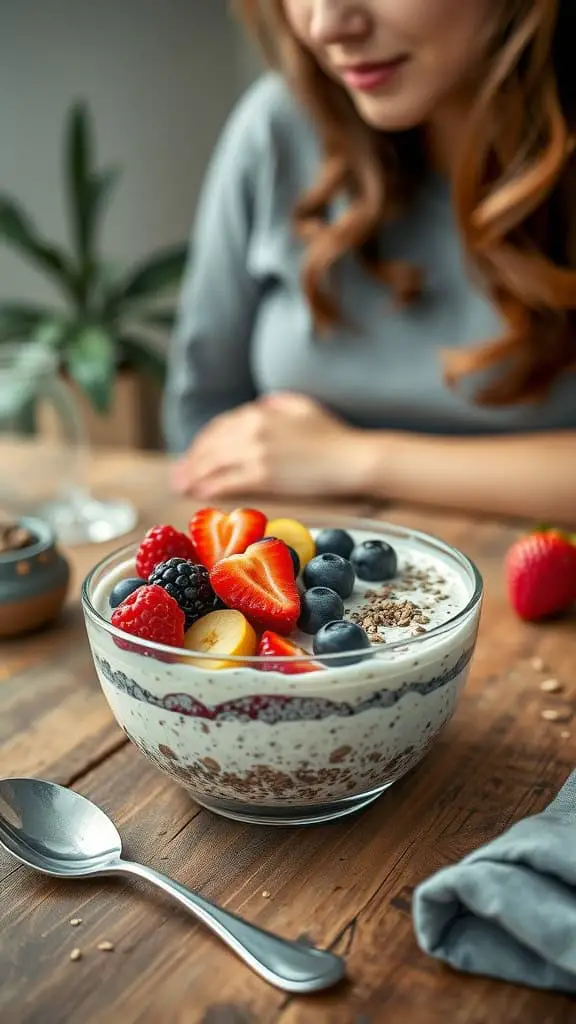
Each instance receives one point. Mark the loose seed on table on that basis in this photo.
(550, 686)
(556, 714)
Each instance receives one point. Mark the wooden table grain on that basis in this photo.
(346, 886)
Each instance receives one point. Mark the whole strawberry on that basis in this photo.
(159, 544)
(151, 614)
(540, 574)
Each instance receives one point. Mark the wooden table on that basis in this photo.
(347, 886)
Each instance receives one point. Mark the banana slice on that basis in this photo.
(224, 632)
(295, 535)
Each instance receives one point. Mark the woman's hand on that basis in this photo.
(282, 444)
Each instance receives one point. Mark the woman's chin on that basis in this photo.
(391, 114)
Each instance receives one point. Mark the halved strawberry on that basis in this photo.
(260, 583)
(540, 574)
(273, 646)
(216, 535)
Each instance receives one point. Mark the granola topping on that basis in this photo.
(392, 606)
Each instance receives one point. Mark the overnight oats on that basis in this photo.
(283, 672)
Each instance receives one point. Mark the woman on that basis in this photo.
(382, 289)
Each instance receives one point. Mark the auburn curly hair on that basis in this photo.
(514, 190)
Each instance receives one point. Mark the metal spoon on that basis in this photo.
(59, 832)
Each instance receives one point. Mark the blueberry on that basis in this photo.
(334, 542)
(123, 589)
(330, 571)
(319, 606)
(341, 636)
(293, 555)
(295, 560)
(374, 560)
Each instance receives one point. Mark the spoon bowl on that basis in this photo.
(59, 832)
(55, 830)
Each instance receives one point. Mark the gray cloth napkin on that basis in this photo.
(508, 910)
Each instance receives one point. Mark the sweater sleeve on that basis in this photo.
(209, 358)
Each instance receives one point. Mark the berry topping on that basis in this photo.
(189, 585)
(319, 606)
(151, 614)
(123, 589)
(334, 542)
(293, 555)
(260, 584)
(225, 633)
(159, 544)
(341, 636)
(295, 535)
(374, 561)
(217, 535)
(272, 645)
(540, 574)
(330, 571)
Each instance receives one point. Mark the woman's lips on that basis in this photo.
(368, 77)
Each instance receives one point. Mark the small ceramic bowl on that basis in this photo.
(33, 581)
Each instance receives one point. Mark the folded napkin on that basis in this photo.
(508, 910)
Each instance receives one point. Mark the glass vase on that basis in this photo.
(44, 451)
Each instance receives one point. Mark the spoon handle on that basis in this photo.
(288, 965)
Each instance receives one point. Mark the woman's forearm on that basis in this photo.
(528, 475)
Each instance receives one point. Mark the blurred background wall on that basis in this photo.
(160, 76)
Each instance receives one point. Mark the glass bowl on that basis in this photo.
(263, 746)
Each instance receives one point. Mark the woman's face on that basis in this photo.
(400, 60)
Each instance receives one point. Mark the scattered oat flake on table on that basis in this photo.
(266, 894)
(556, 714)
(76, 954)
(76, 921)
(106, 946)
(551, 685)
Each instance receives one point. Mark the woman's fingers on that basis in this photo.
(230, 482)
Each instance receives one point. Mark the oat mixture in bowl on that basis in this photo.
(300, 673)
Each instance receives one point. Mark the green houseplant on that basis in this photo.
(109, 318)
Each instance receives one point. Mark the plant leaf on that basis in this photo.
(147, 279)
(163, 319)
(140, 354)
(91, 361)
(87, 192)
(53, 332)
(79, 172)
(20, 320)
(18, 231)
(100, 188)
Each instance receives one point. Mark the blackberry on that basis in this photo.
(188, 584)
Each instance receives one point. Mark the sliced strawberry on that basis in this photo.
(260, 583)
(274, 646)
(540, 574)
(216, 535)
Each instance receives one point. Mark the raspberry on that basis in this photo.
(188, 584)
(151, 614)
(159, 544)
